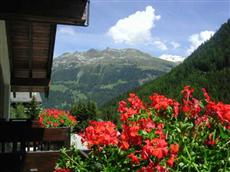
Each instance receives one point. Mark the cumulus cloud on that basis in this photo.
(175, 44)
(135, 28)
(161, 45)
(198, 39)
(66, 30)
(172, 58)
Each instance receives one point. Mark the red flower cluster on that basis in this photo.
(203, 121)
(212, 110)
(143, 132)
(100, 133)
(56, 118)
(130, 136)
(134, 158)
(210, 140)
(221, 110)
(191, 106)
(174, 148)
(156, 147)
(146, 136)
(151, 167)
(62, 170)
(135, 106)
(162, 103)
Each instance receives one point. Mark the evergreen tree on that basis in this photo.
(84, 111)
(33, 109)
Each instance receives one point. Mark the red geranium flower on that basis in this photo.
(56, 118)
(174, 148)
(171, 160)
(162, 103)
(62, 170)
(100, 133)
(134, 158)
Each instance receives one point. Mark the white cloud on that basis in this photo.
(198, 39)
(135, 28)
(175, 44)
(161, 45)
(172, 58)
(66, 30)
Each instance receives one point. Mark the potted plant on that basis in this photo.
(55, 118)
(58, 125)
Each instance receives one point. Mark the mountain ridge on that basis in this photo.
(100, 75)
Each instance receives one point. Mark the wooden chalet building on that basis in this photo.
(27, 38)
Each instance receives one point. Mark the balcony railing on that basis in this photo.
(26, 147)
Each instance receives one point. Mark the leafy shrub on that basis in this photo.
(18, 111)
(84, 111)
(33, 109)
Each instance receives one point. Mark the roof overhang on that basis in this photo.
(31, 30)
(31, 46)
(73, 12)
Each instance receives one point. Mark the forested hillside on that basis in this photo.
(208, 67)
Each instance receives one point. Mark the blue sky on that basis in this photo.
(162, 28)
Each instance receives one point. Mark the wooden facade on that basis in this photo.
(27, 32)
(31, 29)
(28, 148)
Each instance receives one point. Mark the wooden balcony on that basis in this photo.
(25, 148)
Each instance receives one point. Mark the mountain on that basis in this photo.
(208, 66)
(101, 75)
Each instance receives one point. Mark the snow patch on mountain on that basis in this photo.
(172, 58)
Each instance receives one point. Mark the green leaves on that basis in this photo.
(224, 133)
(147, 135)
(136, 117)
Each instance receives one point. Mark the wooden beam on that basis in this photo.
(28, 88)
(14, 94)
(51, 11)
(53, 29)
(30, 82)
(30, 57)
